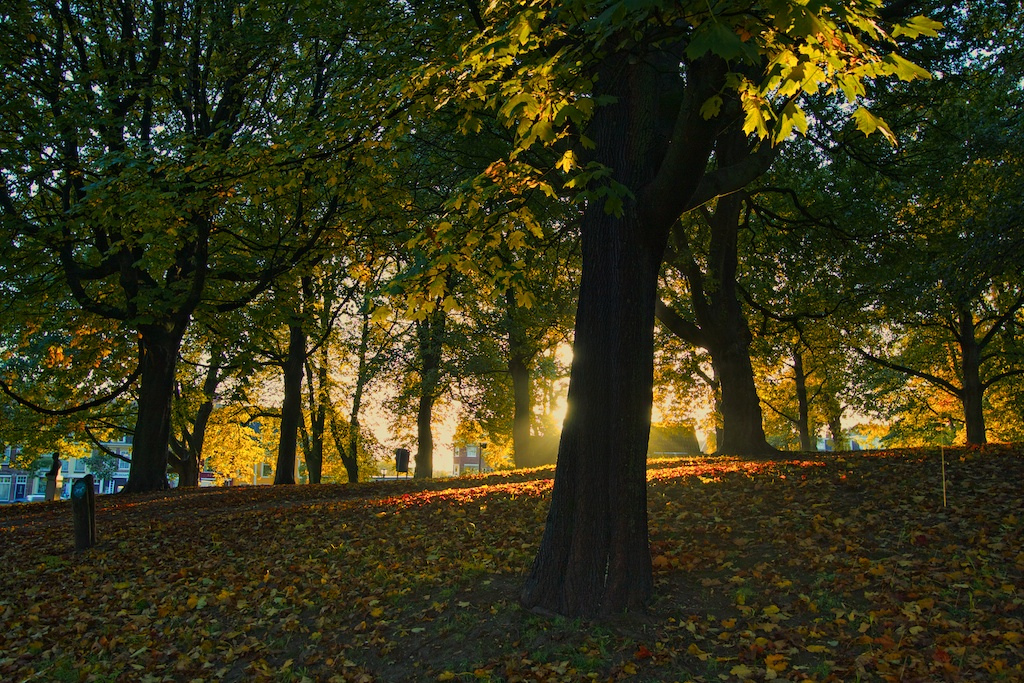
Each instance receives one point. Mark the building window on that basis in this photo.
(79, 465)
(266, 470)
(5, 488)
(123, 465)
(20, 487)
(64, 465)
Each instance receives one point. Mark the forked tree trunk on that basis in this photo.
(159, 348)
(803, 420)
(291, 407)
(187, 453)
(318, 396)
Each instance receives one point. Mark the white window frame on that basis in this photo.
(6, 487)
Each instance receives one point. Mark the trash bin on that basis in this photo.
(402, 460)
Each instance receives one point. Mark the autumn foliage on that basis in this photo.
(821, 567)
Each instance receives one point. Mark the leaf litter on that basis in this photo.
(810, 567)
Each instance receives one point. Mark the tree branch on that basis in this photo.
(946, 386)
(679, 326)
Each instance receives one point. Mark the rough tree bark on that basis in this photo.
(973, 391)
(721, 327)
(430, 338)
(317, 396)
(187, 452)
(803, 420)
(594, 555)
(159, 349)
(291, 407)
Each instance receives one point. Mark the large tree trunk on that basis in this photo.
(291, 408)
(742, 429)
(803, 420)
(973, 392)
(721, 325)
(159, 349)
(594, 555)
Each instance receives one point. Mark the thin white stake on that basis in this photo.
(942, 453)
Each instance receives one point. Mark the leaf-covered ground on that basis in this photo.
(825, 568)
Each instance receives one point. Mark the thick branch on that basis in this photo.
(6, 389)
(735, 177)
(945, 385)
(679, 326)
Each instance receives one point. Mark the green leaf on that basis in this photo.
(868, 123)
(918, 26)
(717, 38)
(711, 107)
(904, 69)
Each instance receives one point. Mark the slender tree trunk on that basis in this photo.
(522, 411)
(519, 357)
(972, 393)
(430, 334)
(291, 408)
(159, 348)
(424, 437)
(188, 452)
(314, 454)
(803, 421)
(318, 399)
(835, 427)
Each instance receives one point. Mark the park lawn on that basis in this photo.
(815, 567)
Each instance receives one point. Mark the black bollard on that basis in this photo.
(83, 510)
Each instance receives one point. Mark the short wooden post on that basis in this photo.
(83, 509)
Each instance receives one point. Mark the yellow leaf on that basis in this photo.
(741, 670)
(446, 676)
(776, 662)
(377, 612)
(697, 652)
(816, 648)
